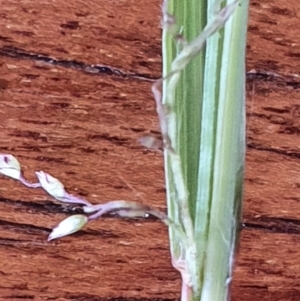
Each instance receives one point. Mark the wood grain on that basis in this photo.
(77, 99)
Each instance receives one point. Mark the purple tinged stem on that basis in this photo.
(101, 210)
(69, 198)
(28, 184)
(108, 207)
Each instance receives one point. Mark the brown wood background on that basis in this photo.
(76, 78)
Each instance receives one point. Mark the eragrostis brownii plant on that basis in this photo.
(200, 103)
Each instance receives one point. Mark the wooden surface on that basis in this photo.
(76, 78)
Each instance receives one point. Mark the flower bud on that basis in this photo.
(68, 226)
(151, 142)
(10, 166)
(53, 186)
